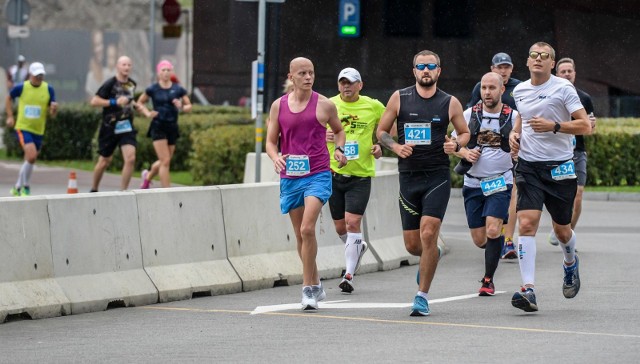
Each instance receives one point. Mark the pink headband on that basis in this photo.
(163, 64)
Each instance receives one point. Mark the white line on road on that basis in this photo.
(347, 304)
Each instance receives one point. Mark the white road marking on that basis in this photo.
(347, 304)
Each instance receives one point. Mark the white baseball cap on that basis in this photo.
(36, 69)
(350, 74)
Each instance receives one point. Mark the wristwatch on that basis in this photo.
(341, 149)
(556, 128)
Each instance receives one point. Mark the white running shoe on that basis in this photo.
(553, 239)
(318, 292)
(309, 301)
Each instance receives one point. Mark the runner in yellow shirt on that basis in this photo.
(37, 98)
(352, 183)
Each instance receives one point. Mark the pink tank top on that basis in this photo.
(301, 134)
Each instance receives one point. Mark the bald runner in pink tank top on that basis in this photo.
(302, 134)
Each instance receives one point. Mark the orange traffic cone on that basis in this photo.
(72, 187)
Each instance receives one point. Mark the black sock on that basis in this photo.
(492, 255)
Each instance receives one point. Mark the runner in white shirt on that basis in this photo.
(545, 174)
(489, 180)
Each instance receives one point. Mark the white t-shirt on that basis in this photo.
(554, 100)
(493, 160)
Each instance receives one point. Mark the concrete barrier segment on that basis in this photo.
(183, 243)
(27, 287)
(97, 257)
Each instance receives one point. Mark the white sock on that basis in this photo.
(21, 180)
(527, 255)
(343, 237)
(569, 249)
(27, 173)
(352, 251)
(424, 295)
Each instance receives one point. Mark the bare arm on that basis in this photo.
(387, 126)
(514, 137)
(339, 137)
(459, 124)
(273, 131)
(9, 110)
(581, 125)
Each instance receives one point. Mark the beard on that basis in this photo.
(427, 82)
(490, 103)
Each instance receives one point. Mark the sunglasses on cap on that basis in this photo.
(543, 55)
(429, 66)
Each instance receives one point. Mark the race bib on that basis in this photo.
(32, 112)
(123, 126)
(417, 133)
(566, 170)
(298, 165)
(491, 185)
(352, 150)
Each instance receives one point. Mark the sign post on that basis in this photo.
(259, 75)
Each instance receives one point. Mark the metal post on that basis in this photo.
(152, 38)
(187, 60)
(262, 10)
(20, 22)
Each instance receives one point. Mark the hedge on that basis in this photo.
(215, 140)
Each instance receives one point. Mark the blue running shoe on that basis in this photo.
(571, 284)
(525, 300)
(509, 250)
(420, 307)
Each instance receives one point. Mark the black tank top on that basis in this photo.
(434, 111)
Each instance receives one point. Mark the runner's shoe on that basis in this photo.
(318, 292)
(525, 299)
(25, 191)
(420, 307)
(553, 239)
(145, 182)
(487, 289)
(364, 250)
(15, 191)
(309, 301)
(509, 250)
(571, 284)
(347, 283)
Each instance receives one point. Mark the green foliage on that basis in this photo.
(613, 159)
(68, 135)
(218, 154)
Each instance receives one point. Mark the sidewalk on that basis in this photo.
(53, 180)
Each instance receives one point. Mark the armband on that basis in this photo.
(341, 149)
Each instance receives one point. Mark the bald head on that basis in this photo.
(123, 67)
(298, 62)
(491, 89)
(301, 73)
(491, 77)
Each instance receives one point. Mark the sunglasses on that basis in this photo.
(543, 55)
(429, 66)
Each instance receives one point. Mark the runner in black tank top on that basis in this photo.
(433, 111)
(423, 113)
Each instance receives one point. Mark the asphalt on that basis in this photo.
(372, 325)
(54, 180)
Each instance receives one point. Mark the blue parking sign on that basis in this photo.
(349, 18)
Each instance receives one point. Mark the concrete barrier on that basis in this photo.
(184, 251)
(267, 173)
(97, 259)
(383, 224)
(261, 244)
(27, 286)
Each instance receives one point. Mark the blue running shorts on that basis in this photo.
(294, 190)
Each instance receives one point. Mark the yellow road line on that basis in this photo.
(409, 322)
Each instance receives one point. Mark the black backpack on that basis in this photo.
(474, 128)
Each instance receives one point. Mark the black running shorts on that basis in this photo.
(350, 194)
(536, 188)
(423, 193)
